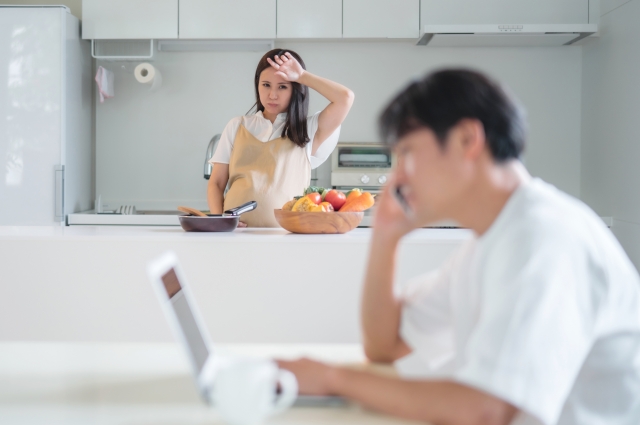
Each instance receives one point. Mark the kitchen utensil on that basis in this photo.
(225, 222)
(192, 211)
(318, 222)
(126, 210)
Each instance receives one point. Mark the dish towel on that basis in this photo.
(104, 78)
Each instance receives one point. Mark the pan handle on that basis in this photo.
(249, 206)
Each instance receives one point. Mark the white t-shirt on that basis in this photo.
(542, 311)
(263, 130)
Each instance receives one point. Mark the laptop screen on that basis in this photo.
(184, 313)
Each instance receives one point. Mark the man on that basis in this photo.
(536, 320)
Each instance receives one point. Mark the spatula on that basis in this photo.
(192, 211)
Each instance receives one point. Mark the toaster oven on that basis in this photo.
(364, 165)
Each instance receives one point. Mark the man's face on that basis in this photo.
(434, 178)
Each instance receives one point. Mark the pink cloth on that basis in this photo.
(104, 78)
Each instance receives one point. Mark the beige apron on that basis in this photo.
(270, 173)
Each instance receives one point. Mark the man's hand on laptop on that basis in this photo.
(314, 378)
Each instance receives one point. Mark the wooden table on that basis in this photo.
(117, 383)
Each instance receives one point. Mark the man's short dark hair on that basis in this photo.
(441, 99)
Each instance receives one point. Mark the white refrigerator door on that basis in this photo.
(31, 114)
(77, 147)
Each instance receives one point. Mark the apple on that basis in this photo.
(335, 198)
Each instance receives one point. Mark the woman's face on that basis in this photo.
(274, 91)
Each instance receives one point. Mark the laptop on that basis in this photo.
(180, 309)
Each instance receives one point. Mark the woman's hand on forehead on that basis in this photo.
(287, 67)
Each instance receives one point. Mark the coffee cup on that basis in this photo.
(244, 391)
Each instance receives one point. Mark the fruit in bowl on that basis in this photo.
(318, 222)
(324, 211)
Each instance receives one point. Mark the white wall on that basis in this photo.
(151, 145)
(610, 114)
(607, 6)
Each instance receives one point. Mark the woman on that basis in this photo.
(268, 156)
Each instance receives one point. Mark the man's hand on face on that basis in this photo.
(392, 219)
(314, 378)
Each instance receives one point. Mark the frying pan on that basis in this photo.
(225, 222)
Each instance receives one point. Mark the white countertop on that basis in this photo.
(89, 283)
(358, 235)
(80, 383)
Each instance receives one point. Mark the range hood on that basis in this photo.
(504, 35)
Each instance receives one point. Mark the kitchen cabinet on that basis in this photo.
(309, 18)
(381, 18)
(488, 12)
(227, 19)
(129, 19)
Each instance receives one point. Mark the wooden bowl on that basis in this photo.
(318, 222)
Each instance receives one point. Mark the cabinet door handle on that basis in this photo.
(59, 195)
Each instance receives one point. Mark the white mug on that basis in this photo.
(244, 391)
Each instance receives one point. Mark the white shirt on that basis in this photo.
(263, 130)
(542, 311)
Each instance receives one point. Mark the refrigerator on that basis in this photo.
(46, 149)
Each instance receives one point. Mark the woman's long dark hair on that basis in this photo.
(296, 126)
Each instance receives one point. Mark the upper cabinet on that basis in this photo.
(129, 19)
(315, 19)
(491, 12)
(227, 19)
(382, 18)
(309, 18)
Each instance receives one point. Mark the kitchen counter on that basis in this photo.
(266, 235)
(112, 384)
(89, 283)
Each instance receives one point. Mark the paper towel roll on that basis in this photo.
(147, 74)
